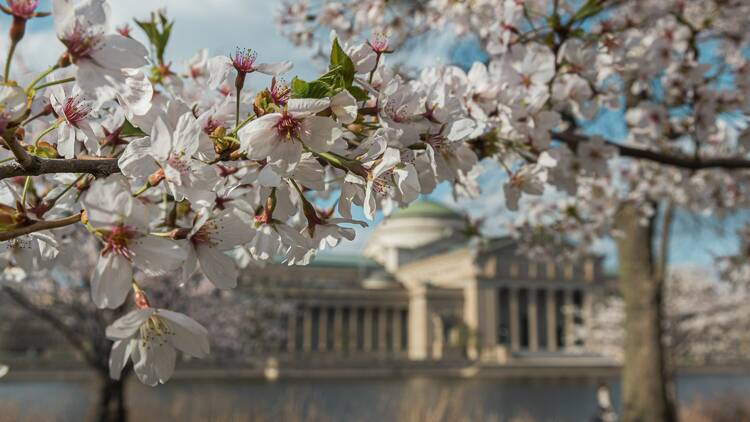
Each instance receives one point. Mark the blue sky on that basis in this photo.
(223, 25)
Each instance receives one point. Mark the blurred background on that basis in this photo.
(385, 327)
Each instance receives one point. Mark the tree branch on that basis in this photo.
(70, 334)
(25, 159)
(95, 166)
(39, 226)
(685, 162)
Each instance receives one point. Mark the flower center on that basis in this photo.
(211, 125)
(288, 127)
(117, 241)
(75, 110)
(177, 162)
(379, 43)
(155, 330)
(280, 93)
(204, 235)
(381, 184)
(23, 8)
(81, 41)
(397, 113)
(244, 59)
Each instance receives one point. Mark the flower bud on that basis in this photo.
(17, 29)
(140, 299)
(156, 177)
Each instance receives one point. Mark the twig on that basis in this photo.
(39, 226)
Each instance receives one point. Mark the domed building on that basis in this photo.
(424, 292)
(422, 297)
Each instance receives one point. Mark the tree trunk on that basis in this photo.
(111, 407)
(645, 379)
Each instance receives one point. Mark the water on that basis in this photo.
(386, 399)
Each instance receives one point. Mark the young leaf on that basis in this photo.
(341, 59)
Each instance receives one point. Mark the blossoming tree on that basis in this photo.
(186, 170)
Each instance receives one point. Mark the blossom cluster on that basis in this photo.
(668, 78)
(185, 171)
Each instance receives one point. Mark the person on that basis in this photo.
(605, 411)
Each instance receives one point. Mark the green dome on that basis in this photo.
(426, 209)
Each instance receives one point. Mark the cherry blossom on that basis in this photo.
(122, 224)
(280, 138)
(209, 239)
(150, 337)
(106, 63)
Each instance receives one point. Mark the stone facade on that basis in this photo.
(422, 292)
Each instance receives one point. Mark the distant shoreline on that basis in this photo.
(465, 372)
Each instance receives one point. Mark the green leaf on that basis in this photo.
(158, 33)
(341, 59)
(358, 93)
(299, 88)
(319, 89)
(128, 130)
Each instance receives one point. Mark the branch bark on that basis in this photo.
(38, 226)
(37, 166)
(689, 163)
(24, 159)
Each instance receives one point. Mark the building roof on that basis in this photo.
(341, 260)
(426, 209)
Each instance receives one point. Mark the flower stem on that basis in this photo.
(242, 124)
(46, 132)
(5, 160)
(26, 186)
(142, 189)
(57, 197)
(61, 81)
(41, 76)
(11, 50)
(237, 109)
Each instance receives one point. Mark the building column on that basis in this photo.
(382, 331)
(515, 334)
(307, 329)
(532, 318)
(353, 312)
(323, 329)
(419, 324)
(367, 331)
(338, 329)
(480, 316)
(551, 321)
(396, 331)
(291, 331)
(569, 322)
(588, 312)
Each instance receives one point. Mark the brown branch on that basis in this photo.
(25, 159)
(95, 166)
(684, 161)
(70, 334)
(38, 226)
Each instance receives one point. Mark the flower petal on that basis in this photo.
(274, 69)
(190, 337)
(157, 256)
(320, 133)
(110, 283)
(119, 356)
(219, 268)
(127, 326)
